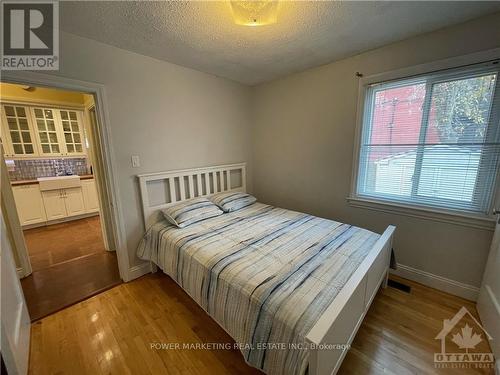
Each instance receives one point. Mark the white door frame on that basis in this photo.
(488, 304)
(109, 174)
(94, 153)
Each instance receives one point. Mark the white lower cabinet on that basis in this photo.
(54, 204)
(29, 204)
(35, 207)
(90, 196)
(73, 199)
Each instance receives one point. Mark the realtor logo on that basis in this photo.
(30, 35)
(464, 343)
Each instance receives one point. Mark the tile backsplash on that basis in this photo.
(31, 169)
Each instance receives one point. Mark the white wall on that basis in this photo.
(172, 117)
(303, 134)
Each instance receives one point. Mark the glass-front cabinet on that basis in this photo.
(72, 132)
(17, 131)
(47, 132)
(34, 131)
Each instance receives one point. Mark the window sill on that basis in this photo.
(467, 220)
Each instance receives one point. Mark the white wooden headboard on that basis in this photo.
(162, 189)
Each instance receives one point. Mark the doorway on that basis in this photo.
(65, 252)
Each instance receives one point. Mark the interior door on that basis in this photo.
(15, 318)
(96, 156)
(488, 304)
(11, 216)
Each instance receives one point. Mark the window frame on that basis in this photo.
(444, 70)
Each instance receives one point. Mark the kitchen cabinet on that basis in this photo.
(62, 203)
(49, 136)
(18, 139)
(71, 124)
(73, 200)
(35, 206)
(90, 197)
(53, 201)
(34, 131)
(30, 207)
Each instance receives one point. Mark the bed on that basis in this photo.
(290, 288)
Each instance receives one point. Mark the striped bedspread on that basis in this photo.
(265, 274)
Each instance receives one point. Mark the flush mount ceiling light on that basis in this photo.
(254, 13)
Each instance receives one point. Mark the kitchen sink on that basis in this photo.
(59, 182)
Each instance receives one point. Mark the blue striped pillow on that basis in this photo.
(191, 211)
(232, 201)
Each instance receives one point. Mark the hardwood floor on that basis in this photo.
(69, 264)
(57, 243)
(113, 333)
(398, 333)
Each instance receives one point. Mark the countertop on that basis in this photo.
(30, 182)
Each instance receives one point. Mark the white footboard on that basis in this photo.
(338, 325)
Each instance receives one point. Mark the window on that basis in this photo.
(432, 141)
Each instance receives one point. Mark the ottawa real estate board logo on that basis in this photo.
(464, 343)
(30, 35)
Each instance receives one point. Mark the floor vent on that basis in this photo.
(398, 285)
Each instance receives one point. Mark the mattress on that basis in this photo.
(265, 274)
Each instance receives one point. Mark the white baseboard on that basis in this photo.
(434, 281)
(58, 221)
(139, 270)
(456, 288)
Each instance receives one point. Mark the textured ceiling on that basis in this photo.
(202, 35)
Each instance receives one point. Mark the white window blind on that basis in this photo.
(433, 140)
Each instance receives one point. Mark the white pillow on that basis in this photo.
(191, 211)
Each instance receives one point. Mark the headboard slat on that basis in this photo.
(190, 180)
(182, 188)
(198, 181)
(219, 175)
(207, 183)
(171, 190)
(220, 187)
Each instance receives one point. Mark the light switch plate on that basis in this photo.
(136, 163)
